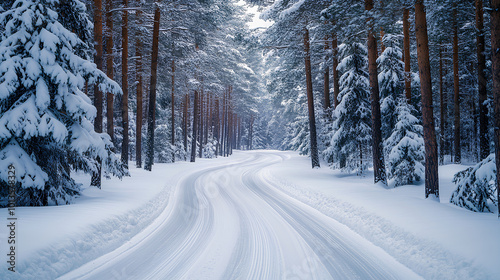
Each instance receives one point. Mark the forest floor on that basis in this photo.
(254, 215)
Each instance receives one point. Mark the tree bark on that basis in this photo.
(382, 34)
(495, 59)
(201, 123)
(431, 159)
(138, 73)
(186, 119)
(125, 84)
(195, 127)
(378, 156)
(172, 131)
(484, 147)
(406, 56)
(152, 94)
(223, 125)
(458, 153)
(96, 177)
(109, 67)
(326, 88)
(310, 101)
(335, 59)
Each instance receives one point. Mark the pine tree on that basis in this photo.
(353, 124)
(45, 118)
(391, 80)
(405, 147)
(476, 187)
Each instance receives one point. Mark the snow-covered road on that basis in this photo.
(230, 222)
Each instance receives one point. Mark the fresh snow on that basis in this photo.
(254, 215)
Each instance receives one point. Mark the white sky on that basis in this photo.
(257, 22)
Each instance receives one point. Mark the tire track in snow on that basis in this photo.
(342, 259)
(228, 222)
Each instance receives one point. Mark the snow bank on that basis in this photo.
(436, 240)
(55, 240)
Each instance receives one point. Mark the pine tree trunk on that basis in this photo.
(442, 108)
(484, 149)
(96, 177)
(138, 73)
(223, 125)
(172, 131)
(335, 59)
(382, 46)
(406, 56)
(217, 126)
(250, 138)
(207, 118)
(495, 60)
(195, 126)
(125, 84)
(431, 158)
(458, 152)
(148, 165)
(474, 143)
(310, 101)
(228, 120)
(109, 67)
(201, 123)
(186, 119)
(240, 130)
(326, 88)
(378, 156)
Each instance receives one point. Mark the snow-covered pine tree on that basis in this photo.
(391, 81)
(352, 126)
(45, 118)
(405, 147)
(476, 186)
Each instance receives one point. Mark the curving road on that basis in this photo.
(230, 222)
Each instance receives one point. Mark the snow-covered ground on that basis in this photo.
(255, 215)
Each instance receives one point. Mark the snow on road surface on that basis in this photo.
(254, 215)
(229, 222)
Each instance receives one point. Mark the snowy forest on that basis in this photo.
(92, 85)
(405, 93)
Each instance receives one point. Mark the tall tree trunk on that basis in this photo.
(335, 59)
(378, 156)
(406, 56)
(250, 138)
(240, 130)
(195, 126)
(148, 165)
(431, 158)
(310, 101)
(326, 88)
(125, 84)
(223, 125)
(96, 177)
(474, 143)
(442, 108)
(458, 153)
(484, 149)
(186, 119)
(495, 59)
(201, 123)
(207, 118)
(217, 126)
(138, 73)
(382, 34)
(172, 131)
(109, 67)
